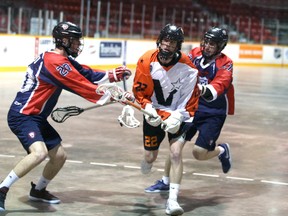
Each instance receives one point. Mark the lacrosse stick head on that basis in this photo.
(60, 114)
(127, 118)
(114, 91)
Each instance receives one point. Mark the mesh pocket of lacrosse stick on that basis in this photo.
(127, 118)
(59, 115)
(112, 90)
(118, 94)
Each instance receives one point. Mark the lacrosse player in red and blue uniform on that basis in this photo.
(215, 75)
(217, 96)
(45, 78)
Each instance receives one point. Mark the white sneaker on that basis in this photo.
(173, 208)
(146, 167)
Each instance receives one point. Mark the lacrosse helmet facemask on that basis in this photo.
(73, 35)
(217, 35)
(173, 33)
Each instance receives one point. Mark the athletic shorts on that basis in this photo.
(33, 128)
(209, 128)
(153, 136)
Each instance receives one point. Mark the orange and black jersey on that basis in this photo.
(168, 88)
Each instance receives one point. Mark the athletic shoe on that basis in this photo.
(146, 167)
(225, 158)
(158, 187)
(42, 195)
(3, 192)
(173, 208)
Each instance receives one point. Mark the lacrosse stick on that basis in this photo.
(60, 114)
(119, 95)
(127, 116)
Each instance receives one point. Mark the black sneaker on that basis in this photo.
(42, 195)
(225, 158)
(3, 192)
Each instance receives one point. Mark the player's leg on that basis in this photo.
(176, 173)
(57, 158)
(162, 185)
(152, 138)
(27, 130)
(205, 147)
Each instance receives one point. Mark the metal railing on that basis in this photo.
(110, 19)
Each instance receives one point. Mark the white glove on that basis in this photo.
(173, 122)
(129, 96)
(156, 119)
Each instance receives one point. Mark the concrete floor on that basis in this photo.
(102, 174)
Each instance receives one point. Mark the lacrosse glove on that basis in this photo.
(118, 74)
(173, 122)
(156, 119)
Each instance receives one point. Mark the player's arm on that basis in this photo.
(64, 75)
(100, 76)
(219, 84)
(143, 88)
(142, 84)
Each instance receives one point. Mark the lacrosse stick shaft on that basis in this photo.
(59, 115)
(124, 63)
(97, 105)
(116, 93)
(139, 108)
(142, 110)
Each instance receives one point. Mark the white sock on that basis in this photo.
(42, 183)
(165, 180)
(174, 190)
(222, 150)
(9, 180)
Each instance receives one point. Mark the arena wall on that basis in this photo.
(16, 52)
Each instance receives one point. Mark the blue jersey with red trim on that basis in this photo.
(217, 75)
(47, 76)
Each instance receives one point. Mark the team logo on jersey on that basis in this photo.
(203, 80)
(176, 85)
(32, 135)
(228, 67)
(64, 69)
(160, 94)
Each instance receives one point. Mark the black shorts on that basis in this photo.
(153, 136)
(33, 128)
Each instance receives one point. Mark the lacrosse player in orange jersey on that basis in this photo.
(165, 85)
(215, 102)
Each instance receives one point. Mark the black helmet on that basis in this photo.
(217, 35)
(66, 30)
(171, 32)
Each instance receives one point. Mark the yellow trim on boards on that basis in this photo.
(100, 67)
(133, 66)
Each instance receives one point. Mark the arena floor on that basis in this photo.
(102, 175)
